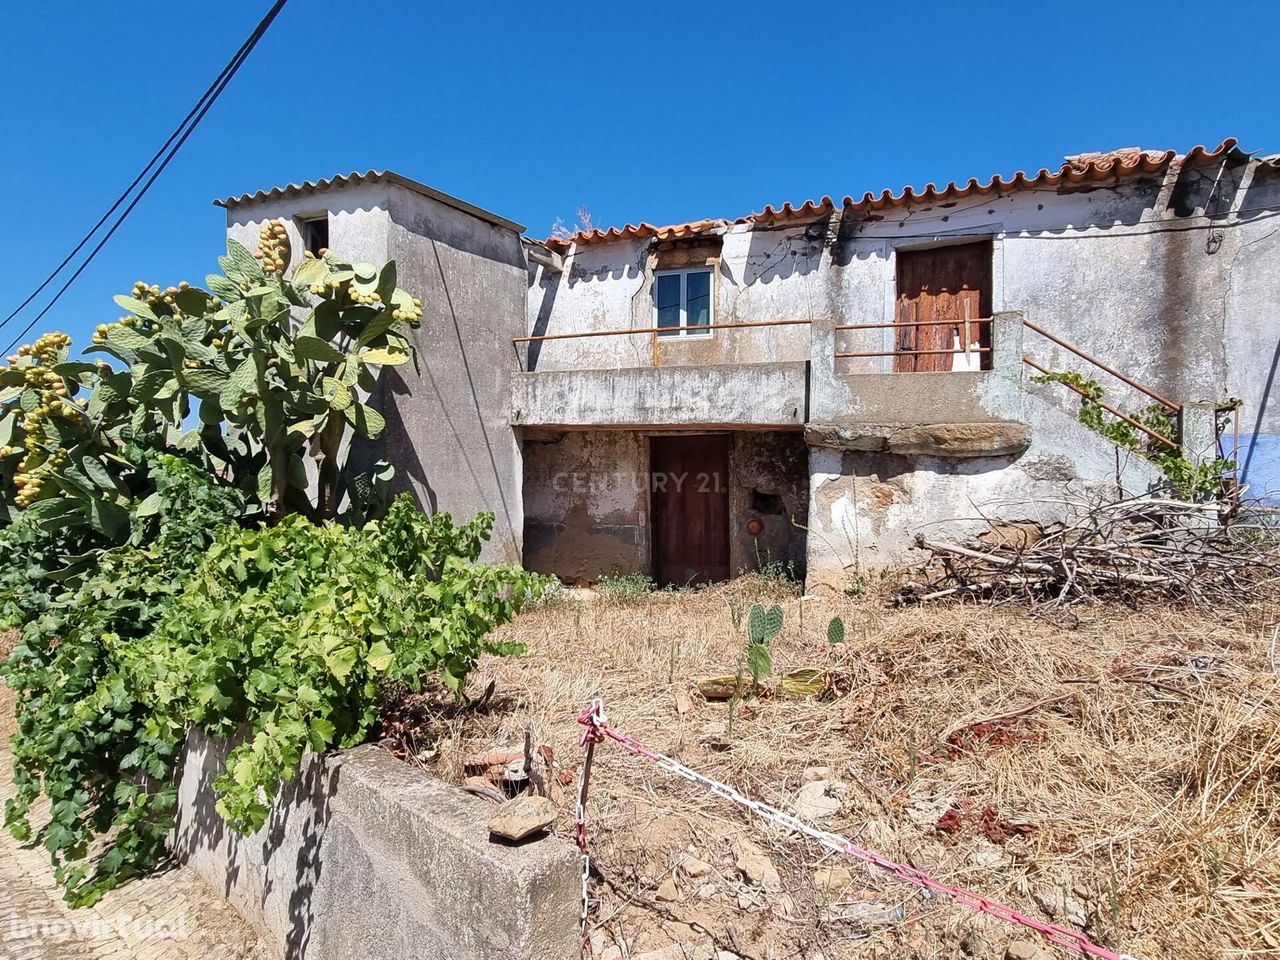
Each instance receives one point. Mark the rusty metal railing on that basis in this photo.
(656, 332)
(1174, 408)
(965, 328)
(1107, 407)
(1167, 404)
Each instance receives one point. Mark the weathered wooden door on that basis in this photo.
(690, 501)
(951, 284)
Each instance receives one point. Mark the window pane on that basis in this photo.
(699, 294)
(666, 294)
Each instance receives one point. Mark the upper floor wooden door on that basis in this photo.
(690, 503)
(948, 285)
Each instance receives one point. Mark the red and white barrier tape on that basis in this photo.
(597, 728)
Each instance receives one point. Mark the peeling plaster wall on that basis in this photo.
(608, 287)
(1174, 279)
(867, 508)
(586, 503)
(769, 482)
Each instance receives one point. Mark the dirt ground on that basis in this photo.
(1113, 771)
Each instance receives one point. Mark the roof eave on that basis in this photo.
(355, 178)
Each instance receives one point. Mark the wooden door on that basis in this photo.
(951, 284)
(689, 478)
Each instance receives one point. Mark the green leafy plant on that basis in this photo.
(762, 626)
(277, 640)
(281, 639)
(151, 597)
(1190, 480)
(86, 736)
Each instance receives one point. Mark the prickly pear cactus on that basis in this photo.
(763, 625)
(253, 376)
(835, 631)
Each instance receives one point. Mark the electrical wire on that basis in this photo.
(164, 155)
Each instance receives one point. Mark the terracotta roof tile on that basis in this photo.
(1083, 169)
(641, 231)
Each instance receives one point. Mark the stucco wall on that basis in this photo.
(365, 856)
(1174, 279)
(608, 287)
(359, 220)
(448, 426)
(867, 508)
(769, 482)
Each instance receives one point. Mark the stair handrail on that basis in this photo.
(1174, 408)
(1107, 407)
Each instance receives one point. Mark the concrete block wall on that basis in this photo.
(364, 856)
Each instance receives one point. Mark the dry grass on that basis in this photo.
(1142, 748)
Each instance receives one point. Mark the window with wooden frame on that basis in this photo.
(684, 302)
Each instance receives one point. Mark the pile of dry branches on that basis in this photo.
(1137, 550)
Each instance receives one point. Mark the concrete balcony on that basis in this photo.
(960, 413)
(718, 395)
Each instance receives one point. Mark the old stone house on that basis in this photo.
(815, 385)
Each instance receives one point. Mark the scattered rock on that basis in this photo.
(706, 891)
(667, 890)
(1025, 950)
(523, 816)
(973, 945)
(693, 867)
(684, 703)
(988, 856)
(756, 866)
(832, 879)
(812, 802)
(870, 913)
(816, 773)
(722, 687)
(1058, 904)
(924, 812)
(785, 906)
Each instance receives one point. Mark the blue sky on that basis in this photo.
(658, 112)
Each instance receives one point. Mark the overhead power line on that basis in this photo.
(159, 161)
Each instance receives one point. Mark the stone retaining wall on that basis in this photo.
(364, 856)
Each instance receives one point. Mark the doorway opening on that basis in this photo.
(941, 292)
(689, 496)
